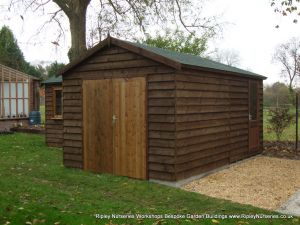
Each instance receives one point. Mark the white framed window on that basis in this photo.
(14, 98)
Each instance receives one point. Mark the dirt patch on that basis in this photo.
(281, 149)
(265, 182)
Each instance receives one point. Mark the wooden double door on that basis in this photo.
(114, 124)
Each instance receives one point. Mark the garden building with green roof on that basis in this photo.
(134, 110)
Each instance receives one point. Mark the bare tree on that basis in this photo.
(229, 57)
(115, 15)
(288, 55)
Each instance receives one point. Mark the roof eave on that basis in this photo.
(148, 54)
(85, 55)
(50, 83)
(110, 40)
(186, 66)
(34, 78)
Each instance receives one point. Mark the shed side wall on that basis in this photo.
(115, 62)
(54, 127)
(261, 113)
(211, 121)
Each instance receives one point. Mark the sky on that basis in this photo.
(249, 29)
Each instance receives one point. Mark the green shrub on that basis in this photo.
(279, 119)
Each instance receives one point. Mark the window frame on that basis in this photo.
(20, 113)
(54, 90)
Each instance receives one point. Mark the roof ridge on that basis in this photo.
(187, 58)
(174, 59)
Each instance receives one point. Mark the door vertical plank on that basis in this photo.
(85, 126)
(97, 117)
(123, 122)
(116, 128)
(141, 121)
(130, 127)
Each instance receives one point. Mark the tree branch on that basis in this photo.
(64, 5)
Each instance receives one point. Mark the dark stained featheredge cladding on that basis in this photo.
(195, 114)
(54, 122)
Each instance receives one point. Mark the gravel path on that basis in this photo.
(264, 182)
(292, 206)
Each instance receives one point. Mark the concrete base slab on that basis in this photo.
(180, 183)
(292, 206)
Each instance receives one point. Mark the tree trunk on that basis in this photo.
(77, 20)
(76, 13)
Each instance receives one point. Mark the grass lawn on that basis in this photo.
(289, 133)
(35, 188)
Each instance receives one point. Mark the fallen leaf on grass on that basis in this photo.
(158, 222)
(110, 223)
(295, 221)
(215, 221)
(139, 221)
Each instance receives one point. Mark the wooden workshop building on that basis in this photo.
(143, 112)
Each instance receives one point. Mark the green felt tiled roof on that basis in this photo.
(53, 80)
(193, 60)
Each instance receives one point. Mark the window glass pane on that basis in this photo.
(13, 108)
(13, 90)
(20, 90)
(58, 102)
(6, 90)
(253, 101)
(6, 107)
(26, 107)
(26, 90)
(20, 107)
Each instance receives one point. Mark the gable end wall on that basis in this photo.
(116, 62)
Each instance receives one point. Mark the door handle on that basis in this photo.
(114, 118)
